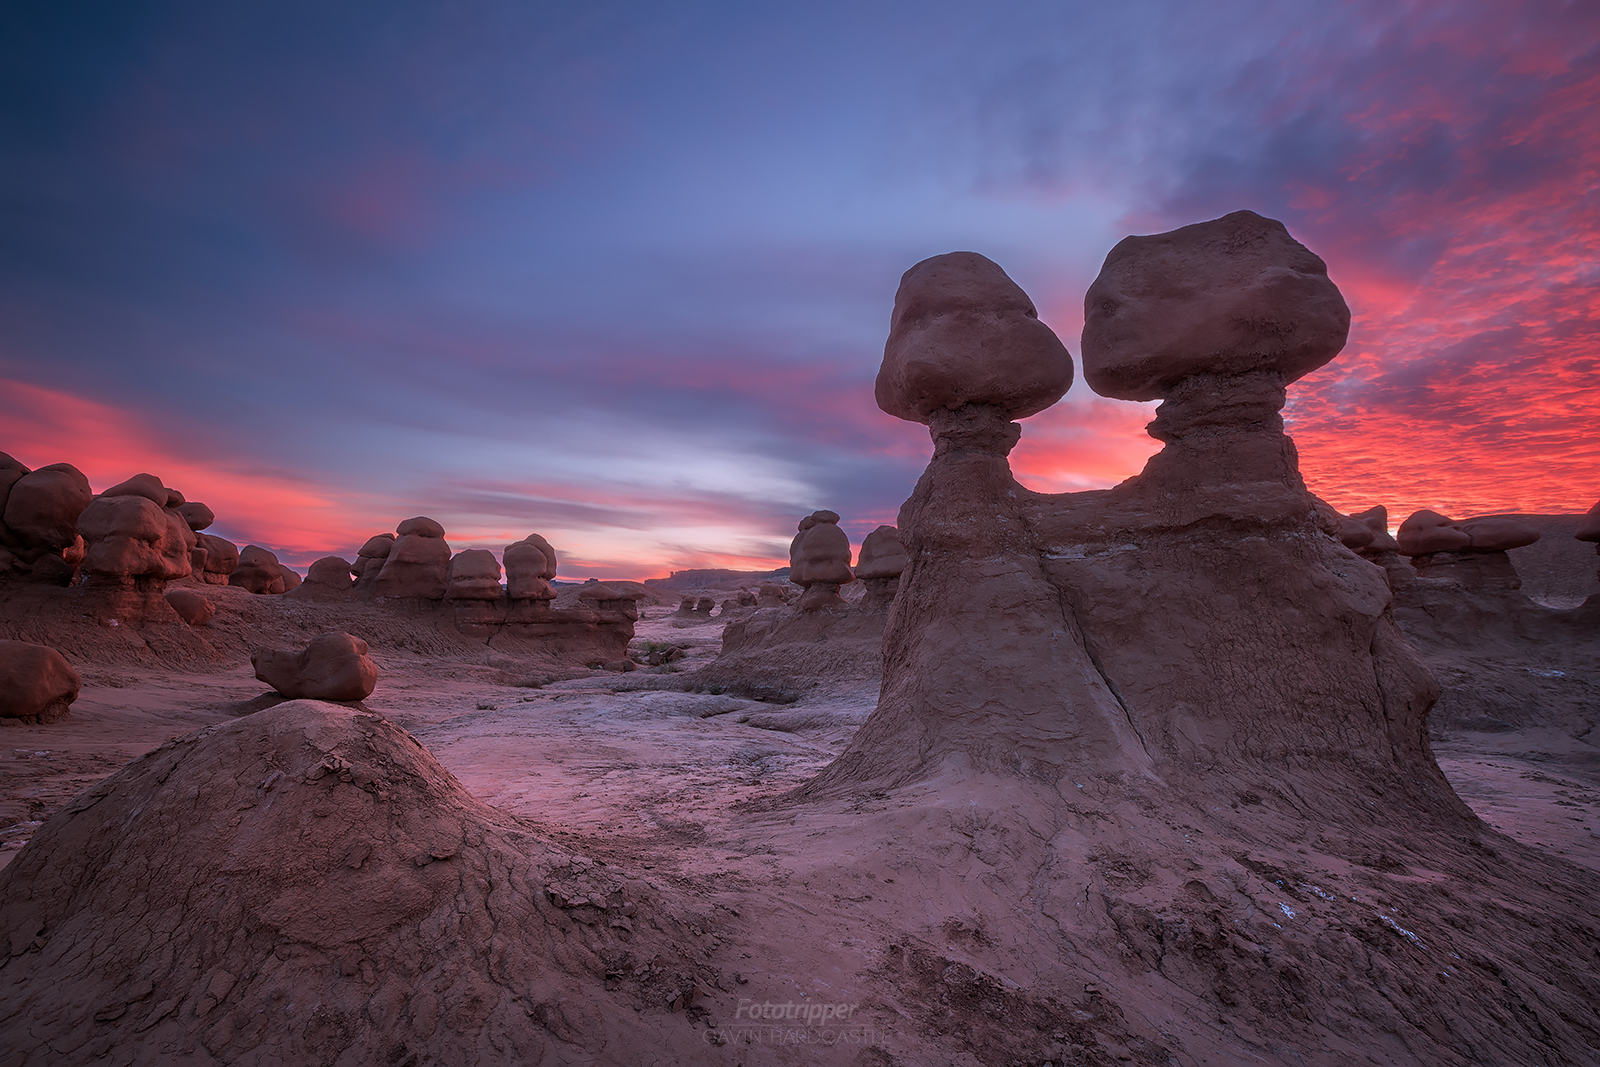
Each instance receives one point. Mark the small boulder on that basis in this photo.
(197, 515)
(332, 667)
(258, 571)
(1427, 531)
(37, 684)
(192, 607)
(145, 485)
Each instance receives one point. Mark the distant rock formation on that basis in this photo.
(418, 564)
(878, 567)
(819, 560)
(130, 536)
(1471, 554)
(214, 559)
(258, 571)
(369, 562)
(37, 684)
(474, 575)
(530, 564)
(328, 576)
(333, 666)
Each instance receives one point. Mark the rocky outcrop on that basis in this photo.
(878, 567)
(39, 512)
(214, 559)
(332, 667)
(1589, 529)
(129, 537)
(530, 564)
(37, 684)
(418, 564)
(330, 576)
(819, 560)
(1471, 554)
(474, 575)
(369, 562)
(258, 571)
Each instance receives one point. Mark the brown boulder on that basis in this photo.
(332, 667)
(197, 515)
(418, 564)
(145, 485)
(962, 332)
(291, 577)
(258, 571)
(882, 554)
(1498, 534)
(37, 684)
(131, 536)
(1236, 295)
(43, 506)
(819, 559)
(474, 575)
(191, 607)
(217, 558)
(330, 573)
(1427, 531)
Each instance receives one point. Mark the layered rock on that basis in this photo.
(610, 599)
(258, 571)
(530, 564)
(37, 684)
(819, 560)
(418, 564)
(878, 566)
(1471, 554)
(332, 667)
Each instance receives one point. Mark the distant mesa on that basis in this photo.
(37, 684)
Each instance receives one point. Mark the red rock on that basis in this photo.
(1498, 534)
(882, 555)
(197, 515)
(819, 559)
(191, 607)
(43, 506)
(962, 332)
(37, 684)
(258, 571)
(1428, 531)
(528, 570)
(1377, 521)
(145, 485)
(330, 572)
(1589, 529)
(377, 546)
(291, 577)
(418, 564)
(220, 559)
(332, 667)
(474, 575)
(131, 536)
(1236, 295)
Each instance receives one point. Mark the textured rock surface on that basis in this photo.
(329, 574)
(1233, 296)
(474, 575)
(192, 607)
(963, 332)
(307, 885)
(1470, 553)
(418, 564)
(42, 507)
(530, 564)
(37, 684)
(332, 667)
(131, 536)
(197, 515)
(258, 571)
(220, 559)
(819, 560)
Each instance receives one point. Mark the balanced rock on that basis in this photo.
(258, 571)
(474, 575)
(530, 564)
(962, 332)
(332, 667)
(37, 684)
(819, 559)
(42, 509)
(192, 607)
(1472, 554)
(418, 565)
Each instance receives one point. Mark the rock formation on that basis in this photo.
(192, 607)
(328, 576)
(878, 567)
(530, 564)
(369, 562)
(214, 558)
(332, 667)
(132, 538)
(418, 565)
(291, 577)
(474, 575)
(308, 885)
(258, 571)
(197, 515)
(610, 599)
(39, 512)
(37, 684)
(1471, 554)
(1589, 530)
(771, 595)
(819, 560)
(1367, 535)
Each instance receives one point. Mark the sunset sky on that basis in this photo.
(620, 273)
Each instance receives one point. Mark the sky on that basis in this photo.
(620, 273)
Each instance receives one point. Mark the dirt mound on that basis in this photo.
(307, 885)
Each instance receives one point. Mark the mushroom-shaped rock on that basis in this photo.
(1231, 296)
(882, 554)
(220, 559)
(192, 607)
(1354, 534)
(530, 564)
(197, 515)
(474, 575)
(771, 595)
(131, 536)
(258, 571)
(145, 485)
(819, 559)
(332, 667)
(1427, 531)
(962, 332)
(609, 598)
(37, 684)
(418, 565)
(43, 506)
(369, 561)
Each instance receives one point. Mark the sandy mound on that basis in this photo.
(307, 885)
